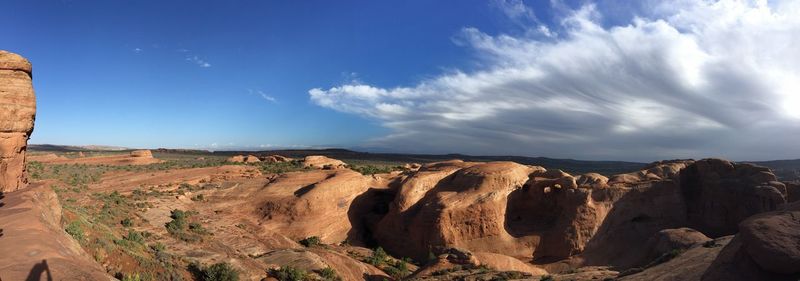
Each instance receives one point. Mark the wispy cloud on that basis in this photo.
(684, 79)
(137, 50)
(199, 62)
(263, 95)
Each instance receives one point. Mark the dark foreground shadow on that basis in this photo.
(37, 270)
(1, 205)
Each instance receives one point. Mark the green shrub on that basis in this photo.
(378, 257)
(220, 272)
(289, 273)
(197, 228)
(127, 222)
(158, 247)
(74, 228)
(328, 274)
(135, 236)
(178, 223)
(132, 277)
(311, 241)
(547, 278)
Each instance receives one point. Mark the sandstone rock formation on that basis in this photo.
(251, 159)
(314, 203)
(525, 212)
(276, 159)
(661, 170)
(711, 196)
(792, 191)
(322, 162)
(17, 114)
(142, 153)
(720, 194)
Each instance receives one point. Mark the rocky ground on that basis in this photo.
(177, 217)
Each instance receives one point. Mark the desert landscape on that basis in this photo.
(303, 213)
(80, 214)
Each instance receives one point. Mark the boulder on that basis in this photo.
(251, 159)
(236, 159)
(766, 248)
(773, 239)
(142, 154)
(17, 113)
(322, 162)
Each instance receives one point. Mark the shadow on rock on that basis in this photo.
(37, 270)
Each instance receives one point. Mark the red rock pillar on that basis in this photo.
(17, 113)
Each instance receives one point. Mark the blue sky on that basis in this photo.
(579, 79)
(185, 73)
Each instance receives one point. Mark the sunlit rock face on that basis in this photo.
(17, 113)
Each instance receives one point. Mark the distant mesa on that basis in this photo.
(136, 157)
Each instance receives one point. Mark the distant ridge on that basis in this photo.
(787, 170)
(56, 147)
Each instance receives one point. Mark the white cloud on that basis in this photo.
(688, 79)
(199, 62)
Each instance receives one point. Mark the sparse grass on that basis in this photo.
(547, 278)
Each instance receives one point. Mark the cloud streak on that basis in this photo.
(689, 79)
